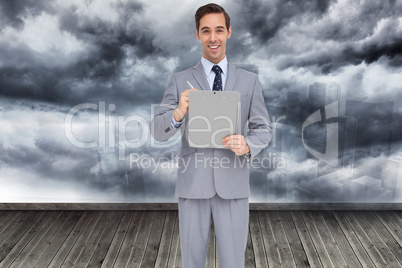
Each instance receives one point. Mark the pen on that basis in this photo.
(190, 84)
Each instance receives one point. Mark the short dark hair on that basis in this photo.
(208, 9)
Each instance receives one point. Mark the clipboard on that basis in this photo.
(213, 115)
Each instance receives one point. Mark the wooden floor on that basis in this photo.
(151, 239)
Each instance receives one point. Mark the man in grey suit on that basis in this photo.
(213, 184)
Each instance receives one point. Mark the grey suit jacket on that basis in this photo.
(204, 172)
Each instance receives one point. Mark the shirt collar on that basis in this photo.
(208, 66)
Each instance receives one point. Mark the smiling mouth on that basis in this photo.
(214, 47)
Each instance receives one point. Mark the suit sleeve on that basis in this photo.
(161, 125)
(260, 130)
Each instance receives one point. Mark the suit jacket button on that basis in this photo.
(167, 130)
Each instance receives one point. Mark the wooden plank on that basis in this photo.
(70, 241)
(212, 249)
(26, 238)
(316, 238)
(129, 240)
(217, 264)
(60, 238)
(375, 239)
(285, 252)
(249, 258)
(118, 238)
(86, 244)
(91, 241)
(79, 243)
(268, 237)
(389, 246)
(340, 239)
(399, 213)
(162, 259)
(257, 241)
(353, 240)
(34, 250)
(4, 214)
(138, 251)
(15, 232)
(19, 261)
(72, 259)
(155, 236)
(105, 239)
(370, 248)
(9, 223)
(88, 206)
(329, 241)
(397, 221)
(173, 206)
(326, 206)
(175, 252)
(305, 238)
(390, 225)
(298, 253)
(8, 219)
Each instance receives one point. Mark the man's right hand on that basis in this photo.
(182, 108)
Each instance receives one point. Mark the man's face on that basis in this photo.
(213, 35)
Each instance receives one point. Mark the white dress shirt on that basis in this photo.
(211, 74)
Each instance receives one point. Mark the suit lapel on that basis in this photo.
(232, 77)
(199, 76)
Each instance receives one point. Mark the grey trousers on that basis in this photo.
(230, 218)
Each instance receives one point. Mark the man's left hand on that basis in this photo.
(237, 144)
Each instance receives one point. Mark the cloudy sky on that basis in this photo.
(55, 55)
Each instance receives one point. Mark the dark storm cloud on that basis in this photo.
(12, 13)
(358, 20)
(110, 41)
(127, 60)
(95, 74)
(264, 19)
(372, 34)
(41, 158)
(24, 75)
(387, 46)
(330, 34)
(345, 41)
